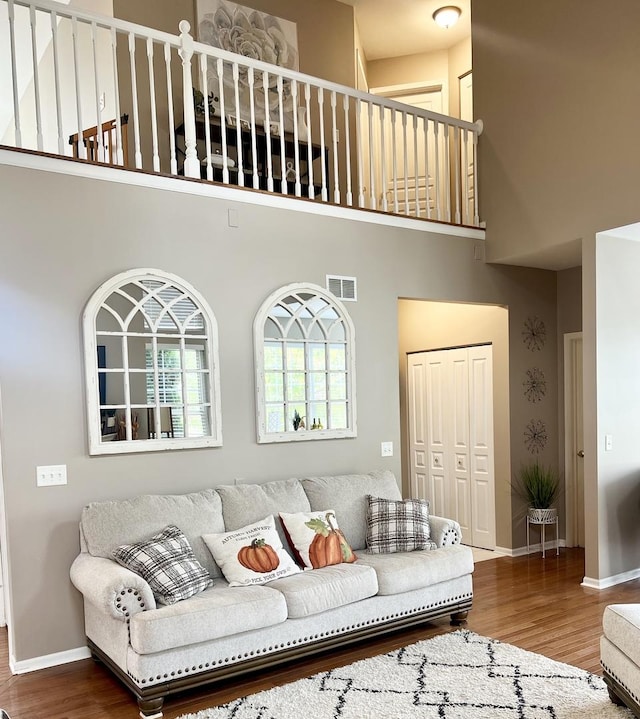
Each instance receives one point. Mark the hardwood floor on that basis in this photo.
(533, 603)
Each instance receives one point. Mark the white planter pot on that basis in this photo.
(543, 516)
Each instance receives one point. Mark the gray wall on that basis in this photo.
(553, 83)
(84, 232)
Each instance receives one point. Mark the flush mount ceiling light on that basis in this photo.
(447, 16)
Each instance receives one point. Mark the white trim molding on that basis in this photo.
(25, 666)
(610, 581)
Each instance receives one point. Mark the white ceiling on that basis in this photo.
(390, 28)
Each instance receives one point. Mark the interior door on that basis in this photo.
(467, 156)
(574, 440)
(451, 437)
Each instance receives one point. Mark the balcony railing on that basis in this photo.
(201, 112)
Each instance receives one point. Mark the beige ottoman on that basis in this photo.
(620, 654)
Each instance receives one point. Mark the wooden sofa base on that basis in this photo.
(151, 699)
(619, 694)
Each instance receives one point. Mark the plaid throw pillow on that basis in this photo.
(397, 525)
(167, 563)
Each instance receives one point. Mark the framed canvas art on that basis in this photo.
(255, 35)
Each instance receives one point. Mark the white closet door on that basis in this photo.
(451, 437)
(481, 439)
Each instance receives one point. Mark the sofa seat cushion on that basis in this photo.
(217, 612)
(621, 626)
(317, 590)
(406, 571)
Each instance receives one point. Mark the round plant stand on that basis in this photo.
(543, 517)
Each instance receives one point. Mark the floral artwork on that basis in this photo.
(255, 35)
(534, 333)
(535, 436)
(535, 385)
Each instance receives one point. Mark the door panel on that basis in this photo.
(454, 437)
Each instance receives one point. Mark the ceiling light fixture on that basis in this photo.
(447, 16)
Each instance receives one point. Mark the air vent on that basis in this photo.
(344, 288)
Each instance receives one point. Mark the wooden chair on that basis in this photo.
(108, 131)
(166, 424)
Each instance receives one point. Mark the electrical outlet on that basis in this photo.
(51, 474)
(608, 442)
(386, 449)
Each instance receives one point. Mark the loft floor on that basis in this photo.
(533, 603)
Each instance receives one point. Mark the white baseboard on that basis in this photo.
(550, 547)
(610, 581)
(49, 660)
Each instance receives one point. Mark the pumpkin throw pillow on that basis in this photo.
(316, 539)
(397, 525)
(251, 555)
(168, 565)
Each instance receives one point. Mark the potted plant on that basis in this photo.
(540, 487)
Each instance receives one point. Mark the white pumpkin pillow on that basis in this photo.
(251, 555)
(316, 538)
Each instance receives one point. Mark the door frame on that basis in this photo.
(570, 448)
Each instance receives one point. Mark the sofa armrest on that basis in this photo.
(110, 587)
(444, 532)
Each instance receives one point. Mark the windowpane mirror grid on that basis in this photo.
(305, 366)
(151, 365)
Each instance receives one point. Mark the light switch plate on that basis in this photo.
(51, 474)
(386, 449)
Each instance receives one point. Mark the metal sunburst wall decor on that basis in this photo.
(535, 436)
(534, 333)
(535, 385)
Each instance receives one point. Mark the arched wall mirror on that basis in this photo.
(305, 366)
(151, 365)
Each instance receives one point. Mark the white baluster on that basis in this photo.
(14, 75)
(236, 90)
(359, 152)
(406, 163)
(283, 156)
(254, 149)
(82, 150)
(334, 131)
(347, 134)
(134, 96)
(116, 89)
(436, 180)
(96, 84)
(372, 179)
(394, 158)
(383, 161)
(267, 129)
(296, 147)
(307, 95)
(154, 114)
(36, 77)
(191, 164)
(223, 124)
(426, 168)
(465, 179)
(456, 165)
(56, 79)
(204, 88)
(172, 132)
(324, 191)
(447, 174)
(415, 165)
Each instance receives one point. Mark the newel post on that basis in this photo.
(191, 163)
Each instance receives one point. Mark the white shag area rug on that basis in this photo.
(459, 675)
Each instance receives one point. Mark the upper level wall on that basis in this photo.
(554, 85)
(326, 30)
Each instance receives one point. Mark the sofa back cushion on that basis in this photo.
(347, 495)
(244, 504)
(107, 525)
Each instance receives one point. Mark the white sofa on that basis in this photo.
(620, 654)
(225, 631)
